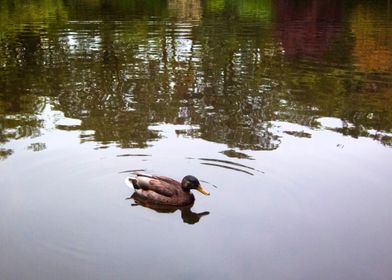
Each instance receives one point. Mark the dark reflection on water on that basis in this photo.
(121, 66)
(187, 215)
(229, 165)
(310, 29)
(235, 154)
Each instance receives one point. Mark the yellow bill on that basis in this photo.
(202, 190)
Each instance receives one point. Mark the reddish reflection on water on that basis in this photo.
(307, 29)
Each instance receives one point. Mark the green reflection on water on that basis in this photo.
(230, 67)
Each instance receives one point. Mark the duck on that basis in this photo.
(162, 190)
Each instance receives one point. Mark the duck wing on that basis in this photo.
(168, 180)
(163, 186)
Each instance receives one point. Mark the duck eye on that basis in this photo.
(187, 183)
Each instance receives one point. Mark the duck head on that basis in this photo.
(190, 182)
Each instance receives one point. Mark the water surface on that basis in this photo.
(282, 108)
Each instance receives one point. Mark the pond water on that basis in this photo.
(283, 109)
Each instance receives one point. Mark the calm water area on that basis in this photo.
(282, 109)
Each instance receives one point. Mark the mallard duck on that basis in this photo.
(164, 190)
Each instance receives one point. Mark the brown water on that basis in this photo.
(282, 108)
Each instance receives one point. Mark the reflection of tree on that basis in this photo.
(315, 29)
(138, 79)
(18, 119)
(308, 28)
(185, 9)
(14, 15)
(373, 42)
(118, 78)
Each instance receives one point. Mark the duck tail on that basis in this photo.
(131, 182)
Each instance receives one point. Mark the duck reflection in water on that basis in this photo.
(187, 215)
